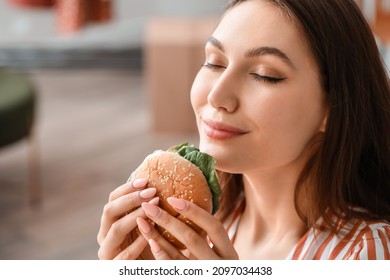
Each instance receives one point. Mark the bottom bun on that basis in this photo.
(175, 176)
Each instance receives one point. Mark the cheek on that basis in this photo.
(199, 92)
(292, 109)
(300, 122)
(286, 124)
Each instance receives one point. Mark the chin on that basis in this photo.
(209, 148)
(224, 156)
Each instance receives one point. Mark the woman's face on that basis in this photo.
(258, 100)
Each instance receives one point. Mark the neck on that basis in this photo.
(270, 200)
(270, 225)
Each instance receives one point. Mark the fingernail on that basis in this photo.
(177, 203)
(150, 209)
(143, 225)
(139, 183)
(155, 200)
(148, 193)
(154, 246)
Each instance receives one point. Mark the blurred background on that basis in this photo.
(88, 88)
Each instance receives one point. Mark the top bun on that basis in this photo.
(174, 176)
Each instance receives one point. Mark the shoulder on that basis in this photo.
(372, 242)
(355, 239)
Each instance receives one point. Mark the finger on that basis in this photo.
(117, 208)
(214, 228)
(134, 250)
(128, 187)
(186, 235)
(118, 233)
(124, 225)
(150, 233)
(158, 252)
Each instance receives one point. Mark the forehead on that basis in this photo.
(256, 23)
(257, 15)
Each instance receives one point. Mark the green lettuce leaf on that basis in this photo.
(206, 164)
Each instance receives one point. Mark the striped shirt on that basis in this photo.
(355, 240)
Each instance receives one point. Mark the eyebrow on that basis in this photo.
(216, 43)
(256, 51)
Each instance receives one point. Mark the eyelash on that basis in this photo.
(256, 77)
(213, 66)
(267, 79)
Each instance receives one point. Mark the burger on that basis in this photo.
(182, 172)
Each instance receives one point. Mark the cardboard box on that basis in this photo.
(174, 53)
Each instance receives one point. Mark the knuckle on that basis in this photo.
(101, 254)
(111, 196)
(99, 238)
(190, 237)
(215, 228)
(116, 228)
(107, 210)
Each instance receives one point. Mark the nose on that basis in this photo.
(223, 94)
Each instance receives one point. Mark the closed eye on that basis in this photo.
(213, 66)
(267, 79)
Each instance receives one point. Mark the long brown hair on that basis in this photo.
(350, 167)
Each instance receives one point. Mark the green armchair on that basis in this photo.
(17, 111)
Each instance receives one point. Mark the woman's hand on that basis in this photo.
(197, 246)
(117, 236)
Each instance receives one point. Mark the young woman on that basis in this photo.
(294, 102)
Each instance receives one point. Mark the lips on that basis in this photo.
(220, 130)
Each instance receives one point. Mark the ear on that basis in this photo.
(324, 122)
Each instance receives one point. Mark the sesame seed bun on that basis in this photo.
(174, 176)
